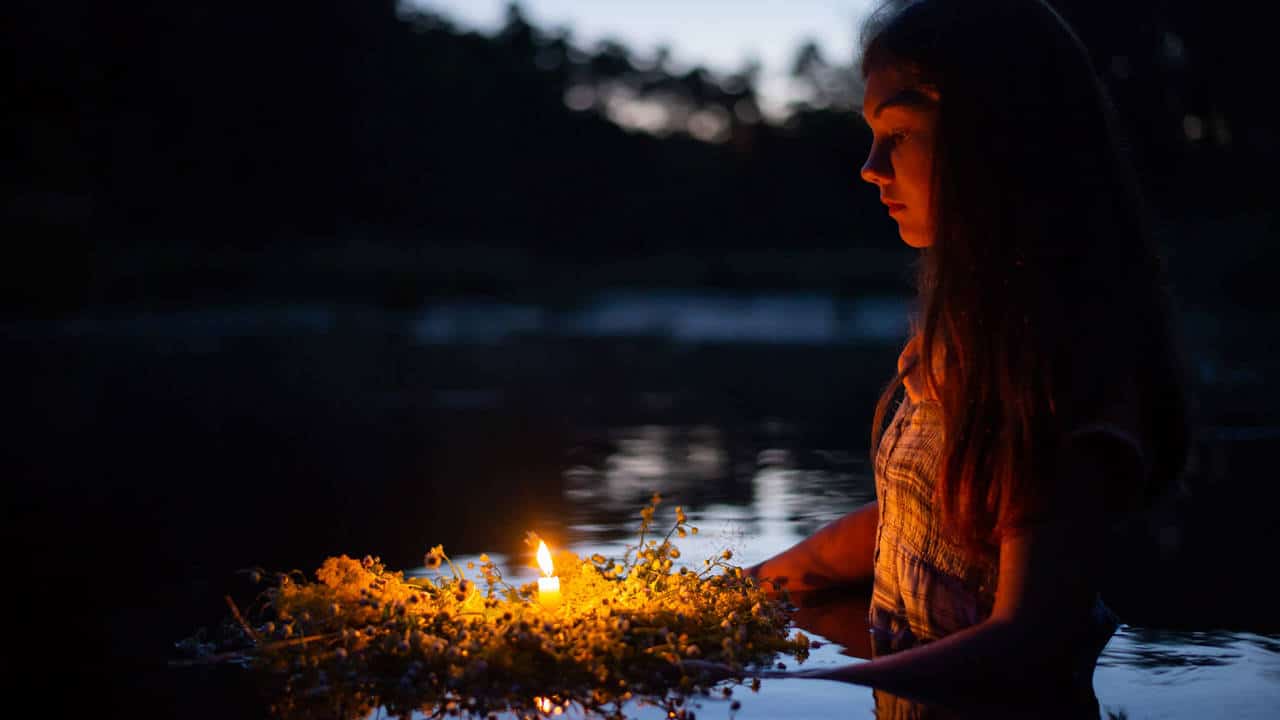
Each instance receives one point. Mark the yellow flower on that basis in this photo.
(434, 557)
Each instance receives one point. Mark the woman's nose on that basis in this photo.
(876, 170)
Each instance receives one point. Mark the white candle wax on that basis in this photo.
(549, 590)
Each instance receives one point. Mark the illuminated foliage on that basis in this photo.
(360, 637)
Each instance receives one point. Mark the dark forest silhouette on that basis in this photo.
(179, 151)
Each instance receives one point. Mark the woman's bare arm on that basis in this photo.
(1047, 583)
(841, 553)
(1027, 641)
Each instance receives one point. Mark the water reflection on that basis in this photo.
(1184, 674)
(680, 316)
(751, 497)
(769, 318)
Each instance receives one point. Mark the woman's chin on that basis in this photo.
(915, 239)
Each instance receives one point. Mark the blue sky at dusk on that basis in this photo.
(721, 35)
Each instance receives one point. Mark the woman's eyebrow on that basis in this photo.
(910, 98)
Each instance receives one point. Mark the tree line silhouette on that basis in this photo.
(177, 149)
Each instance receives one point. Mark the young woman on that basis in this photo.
(1043, 398)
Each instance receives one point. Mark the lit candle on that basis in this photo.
(549, 586)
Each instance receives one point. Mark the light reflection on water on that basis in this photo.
(1181, 674)
(679, 316)
(1143, 673)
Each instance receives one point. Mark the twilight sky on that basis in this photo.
(721, 35)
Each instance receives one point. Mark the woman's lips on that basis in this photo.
(895, 208)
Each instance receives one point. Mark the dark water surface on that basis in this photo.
(150, 455)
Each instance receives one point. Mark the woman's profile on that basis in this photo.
(1041, 396)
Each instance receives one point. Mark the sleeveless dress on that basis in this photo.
(924, 587)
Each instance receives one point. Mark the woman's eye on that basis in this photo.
(896, 136)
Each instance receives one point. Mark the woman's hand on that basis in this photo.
(840, 553)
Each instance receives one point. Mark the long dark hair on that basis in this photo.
(1042, 297)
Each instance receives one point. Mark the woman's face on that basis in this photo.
(902, 114)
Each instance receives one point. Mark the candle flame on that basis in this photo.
(544, 559)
